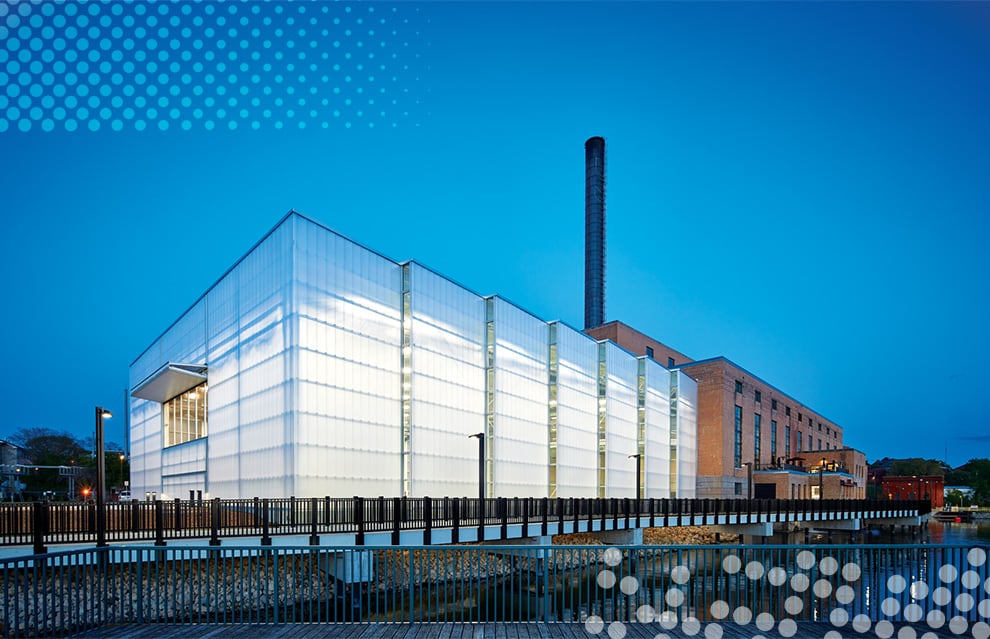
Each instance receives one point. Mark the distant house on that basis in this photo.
(914, 487)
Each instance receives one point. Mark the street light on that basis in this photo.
(101, 478)
(821, 479)
(121, 470)
(481, 484)
(639, 467)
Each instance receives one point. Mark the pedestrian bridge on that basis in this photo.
(424, 521)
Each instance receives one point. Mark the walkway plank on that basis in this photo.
(805, 630)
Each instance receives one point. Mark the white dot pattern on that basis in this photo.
(218, 64)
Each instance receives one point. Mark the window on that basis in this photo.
(773, 440)
(649, 352)
(739, 488)
(800, 442)
(787, 441)
(819, 443)
(828, 431)
(184, 417)
(756, 437)
(738, 438)
(773, 404)
(787, 410)
(757, 396)
(800, 417)
(738, 386)
(670, 362)
(819, 427)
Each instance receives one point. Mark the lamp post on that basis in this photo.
(121, 457)
(101, 478)
(821, 479)
(481, 467)
(639, 470)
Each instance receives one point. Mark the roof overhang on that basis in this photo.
(168, 381)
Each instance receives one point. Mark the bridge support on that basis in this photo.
(624, 537)
(894, 521)
(850, 525)
(764, 529)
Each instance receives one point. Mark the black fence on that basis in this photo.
(44, 523)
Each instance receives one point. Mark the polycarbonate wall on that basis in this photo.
(687, 436)
(577, 412)
(184, 468)
(184, 342)
(348, 425)
(250, 376)
(447, 385)
(657, 443)
(622, 377)
(521, 413)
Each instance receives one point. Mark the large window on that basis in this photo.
(185, 416)
(787, 441)
(773, 440)
(738, 441)
(756, 438)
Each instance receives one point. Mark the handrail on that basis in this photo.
(47, 523)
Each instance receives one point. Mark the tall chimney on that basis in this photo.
(594, 232)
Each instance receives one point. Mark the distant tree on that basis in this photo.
(916, 466)
(47, 447)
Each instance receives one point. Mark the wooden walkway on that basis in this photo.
(806, 630)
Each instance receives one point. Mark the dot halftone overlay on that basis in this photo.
(674, 615)
(205, 64)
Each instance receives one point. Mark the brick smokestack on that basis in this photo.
(594, 232)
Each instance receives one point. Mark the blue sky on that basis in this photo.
(800, 187)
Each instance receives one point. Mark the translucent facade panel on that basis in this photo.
(447, 380)
(577, 412)
(183, 469)
(346, 437)
(657, 444)
(145, 446)
(687, 435)
(520, 442)
(622, 370)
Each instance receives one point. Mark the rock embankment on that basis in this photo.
(679, 535)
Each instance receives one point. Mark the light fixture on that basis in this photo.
(106, 414)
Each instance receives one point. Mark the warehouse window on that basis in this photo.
(184, 417)
(738, 386)
(756, 437)
(773, 404)
(787, 410)
(670, 362)
(738, 439)
(758, 396)
(649, 352)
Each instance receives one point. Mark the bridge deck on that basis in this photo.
(805, 630)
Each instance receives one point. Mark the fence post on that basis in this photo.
(327, 520)
(266, 538)
(292, 513)
(135, 516)
(359, 520)
(159, 522)
(481, 519)
(177, 514)
(544, 506)
(665, 506)
(396, 520)
(427, 521)
(527, 502)
(503, 515)
(314, 539)
(38, 531)
(627, 505)
(455, 521)
(215, 522)
(560, 516)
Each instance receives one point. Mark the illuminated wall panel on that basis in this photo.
(577, 412)
(687, 434)
(621, 426)
(347, 298)
(657, 442)
(447, 380)
(519, 445)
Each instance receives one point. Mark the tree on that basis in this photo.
(47, 447)
(916, 466)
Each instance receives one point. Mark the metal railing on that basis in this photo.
(767, 586)
(45, 523)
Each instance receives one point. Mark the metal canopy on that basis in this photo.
(168, 381)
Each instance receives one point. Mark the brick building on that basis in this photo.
(754, 439)
(915, 487)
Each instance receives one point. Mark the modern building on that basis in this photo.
(753, 439)
(315, 366)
